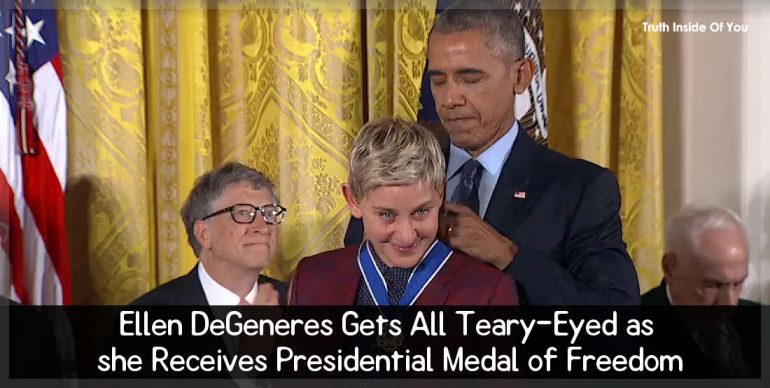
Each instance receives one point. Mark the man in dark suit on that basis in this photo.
(549, 221)
(395, 186)
(705, 264)
(232, 217)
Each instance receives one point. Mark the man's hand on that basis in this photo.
(467, 232)
(266, 295)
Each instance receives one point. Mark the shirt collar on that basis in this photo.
(219, 295)
(492, 158)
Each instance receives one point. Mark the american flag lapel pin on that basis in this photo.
(520, 194)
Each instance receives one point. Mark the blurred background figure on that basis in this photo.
(706, 259)
(705, 264)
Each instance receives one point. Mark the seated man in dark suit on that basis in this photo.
(705, 264)
(232, 217)
(550, 222)
(395, 185)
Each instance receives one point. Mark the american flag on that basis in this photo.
(34, 257)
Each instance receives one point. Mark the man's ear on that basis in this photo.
(668, 264)
(355, 210)
(523, 72)
(201, 232)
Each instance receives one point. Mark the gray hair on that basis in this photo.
(394, 152)
(209, 186)
(683, 231)
(499, 23)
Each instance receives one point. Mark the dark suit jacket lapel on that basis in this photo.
(519, 174)
(658, 295)
(192, 293)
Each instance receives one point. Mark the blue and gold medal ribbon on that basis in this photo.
(430, 264)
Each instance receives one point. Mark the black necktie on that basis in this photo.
(467, 192)
(397, 279)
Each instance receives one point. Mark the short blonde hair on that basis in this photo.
(394, 152)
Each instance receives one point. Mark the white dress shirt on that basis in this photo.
(218, 295)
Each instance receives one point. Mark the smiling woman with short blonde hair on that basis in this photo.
(396, 188)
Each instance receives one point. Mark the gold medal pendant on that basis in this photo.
(389, 343)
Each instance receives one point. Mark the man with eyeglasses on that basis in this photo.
(550, 222)
(231, 217)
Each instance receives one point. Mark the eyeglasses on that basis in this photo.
(244, 213)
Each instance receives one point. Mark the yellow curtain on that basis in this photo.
(109, 186)
(605, 105)
(397, 37)
(161, 91)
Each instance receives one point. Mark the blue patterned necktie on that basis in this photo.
(467, 192)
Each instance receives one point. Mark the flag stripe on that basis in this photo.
(13, 243)
(10, 165)
(51, 112)
(12, 202)
(56, 63)
(45, 201)
(43, 285)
